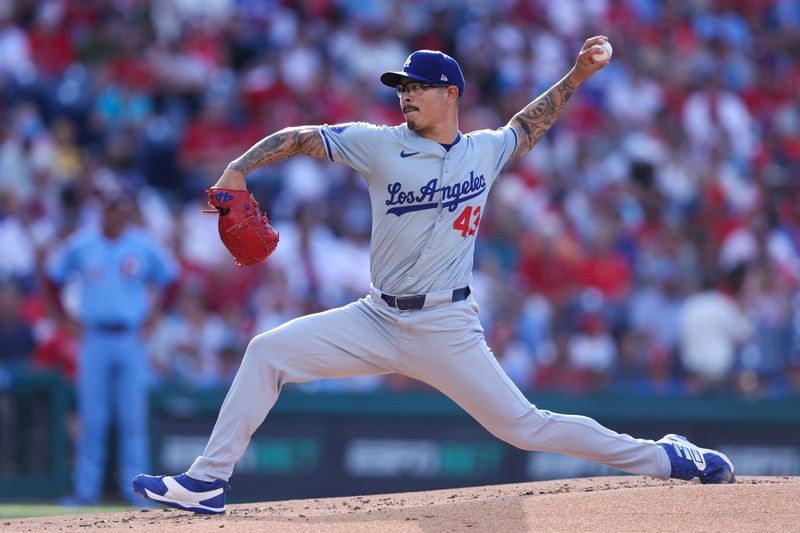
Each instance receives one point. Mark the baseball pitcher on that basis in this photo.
(428, 184)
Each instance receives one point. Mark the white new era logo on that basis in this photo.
(443, 78)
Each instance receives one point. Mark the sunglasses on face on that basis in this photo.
(417, 88)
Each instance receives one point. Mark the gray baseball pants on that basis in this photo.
(442, 345)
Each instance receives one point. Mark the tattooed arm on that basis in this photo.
(537, 117)
(277, 147)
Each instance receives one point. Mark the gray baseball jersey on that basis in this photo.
(427, 203)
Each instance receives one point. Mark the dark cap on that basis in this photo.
(429, 66)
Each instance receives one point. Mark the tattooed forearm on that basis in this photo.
(537, 117)
(281, 146)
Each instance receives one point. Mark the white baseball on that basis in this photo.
(605, 53)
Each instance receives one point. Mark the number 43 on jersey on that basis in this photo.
(468, 221)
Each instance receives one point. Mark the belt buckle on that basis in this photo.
(408, 303)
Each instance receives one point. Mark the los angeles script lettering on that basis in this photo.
(428, 195)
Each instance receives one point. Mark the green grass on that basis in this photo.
(28, 510)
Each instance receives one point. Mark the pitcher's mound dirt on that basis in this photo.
(610, 504)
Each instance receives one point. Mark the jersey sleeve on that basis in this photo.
(504, 143)
(63, 261)
(355, 144)
(163, 266)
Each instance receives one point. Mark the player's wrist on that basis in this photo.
(575, 78)
(232, 178)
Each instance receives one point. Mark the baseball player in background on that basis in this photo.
(428, 185)
(118, 269)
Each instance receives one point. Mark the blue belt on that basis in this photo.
(416, 302)
(112, 327)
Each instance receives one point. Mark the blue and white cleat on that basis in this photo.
(689, 462)
(183, 492)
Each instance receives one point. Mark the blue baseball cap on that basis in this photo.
(429, 66)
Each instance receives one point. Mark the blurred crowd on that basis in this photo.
(648, 244)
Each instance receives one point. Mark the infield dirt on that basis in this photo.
(610, 504)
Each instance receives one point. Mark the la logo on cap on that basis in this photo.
(427, 66)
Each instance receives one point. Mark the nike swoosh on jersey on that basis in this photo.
(403, 153)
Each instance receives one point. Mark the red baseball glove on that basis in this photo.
(244, 229)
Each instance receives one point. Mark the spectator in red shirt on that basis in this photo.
(51, 43)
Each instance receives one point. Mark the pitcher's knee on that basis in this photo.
(261, 353)
(523, 432)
